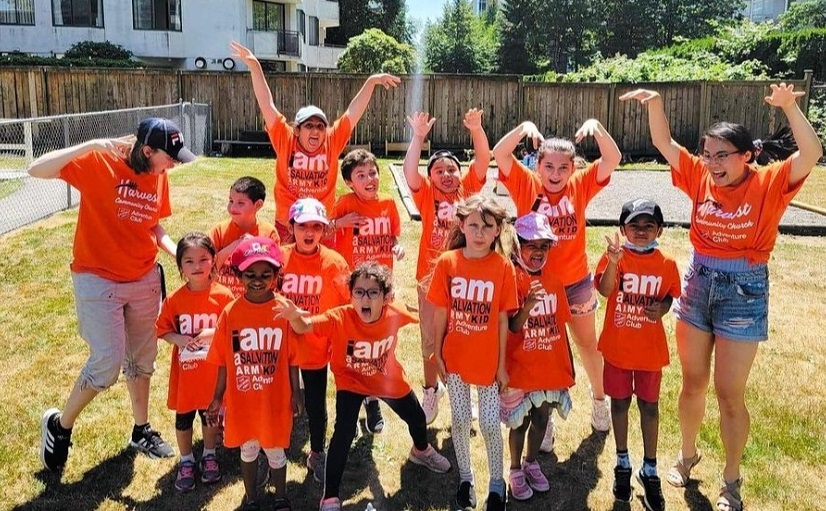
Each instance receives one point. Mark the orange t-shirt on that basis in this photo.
(363, 355)
(565, 211)
(257, 352)
(630, 340)
(300, 174)
(185, 312)
(373, 241)
(731, 222)
(224, 234)
(474, 292)
(438, 212)
(539, 355)
(316, 283)
(118, 210)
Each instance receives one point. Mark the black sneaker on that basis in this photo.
(466, 496)
(375, 421)
(496, 502)
(150, 443)
(54, 445)
(622, 483)
(653, 500)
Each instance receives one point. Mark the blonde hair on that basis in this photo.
(492, 213)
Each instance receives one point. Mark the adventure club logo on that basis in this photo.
(636, 292)
(133, 204)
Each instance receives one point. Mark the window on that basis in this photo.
(267, 16)
(302, 25)
(156, 15)
(77, 13)
(313, 37)
(16, 12)
(273, 65)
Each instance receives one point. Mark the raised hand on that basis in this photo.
(473, 119)
(116, 148)
(240, 51)
(614, 250)
(535, 293)
(641, 95)
(398, 252)
(590, 128)
(287, 309)
(351, 219)
(386, 80)
(420, 123)
(532, 133)
(783, 95)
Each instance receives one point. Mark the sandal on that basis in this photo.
(281, 504)
(680, 471)
(730, 499)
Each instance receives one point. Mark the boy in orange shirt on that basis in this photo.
(246, 198)
(640, 283)
(257, 370)
(437, 195)
(367, 222)
(363, 337)
(315, 278)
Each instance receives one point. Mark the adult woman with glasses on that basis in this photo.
(736, 209)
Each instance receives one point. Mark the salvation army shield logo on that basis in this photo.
(243, 383)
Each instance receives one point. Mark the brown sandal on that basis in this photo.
(680, 472)
(730, 499)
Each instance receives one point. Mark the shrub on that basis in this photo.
(98, 50)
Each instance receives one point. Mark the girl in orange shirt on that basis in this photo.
(538, 356)
(736, 209)
(257, 371)
(363, 337)
(187, 321)
(473, 289)
(562, 194)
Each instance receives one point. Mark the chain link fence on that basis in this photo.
(24, 199)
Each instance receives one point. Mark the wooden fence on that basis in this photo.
(556, 108)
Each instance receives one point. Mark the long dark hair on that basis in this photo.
(779, 146)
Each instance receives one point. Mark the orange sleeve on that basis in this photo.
(600, 269)
(220, 340)
(76, 171)
(424, 195)
(217, 237)
(280, 134)
(780, 192)
(586, 180)
(509, 299)
(686, 177)
(521, 186)
(340, 134)
(438, 292)
(293, 343)
(166, 320)
(327, 324)
(471, 182)
(341, 278)
(563, 308)
(395, 220)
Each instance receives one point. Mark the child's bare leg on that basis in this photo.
(619, 420)
(583, 330)
(184, 439)
(539, 421)
(210, 434)
(516, 441)
(650, 424)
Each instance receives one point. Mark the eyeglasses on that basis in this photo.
(717, 157)
(372, 294)
(314, 126)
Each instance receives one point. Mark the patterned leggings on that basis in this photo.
(461, 418)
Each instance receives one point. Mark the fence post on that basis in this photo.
(808, 75)
(705, 109)
(27, 141)
(66, 144)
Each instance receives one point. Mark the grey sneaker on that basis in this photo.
(150, 443)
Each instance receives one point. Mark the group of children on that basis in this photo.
(494, 303)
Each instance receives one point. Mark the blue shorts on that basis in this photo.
(729, 304)
(582, 296)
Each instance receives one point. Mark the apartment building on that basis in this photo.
(287, 35)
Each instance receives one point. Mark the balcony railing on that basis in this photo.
(289, 43)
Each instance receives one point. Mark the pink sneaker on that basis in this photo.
(519, 485)
(536, 479)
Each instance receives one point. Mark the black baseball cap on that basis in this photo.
(438, 155)
(164, 134)
(637, 207)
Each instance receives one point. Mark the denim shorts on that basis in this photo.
(582, 296)
(732, 302)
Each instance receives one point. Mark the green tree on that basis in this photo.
(376, 52)
(356, 16)
(810, 14)
(459, 41)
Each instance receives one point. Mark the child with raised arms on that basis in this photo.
(315, 278)
(436, 195)
(640, 283)
(562, 193)
(473, 290)
(366, 221)
(363, 336)
(187, 321)
(246, 198)
(257, 371)
(538, 358)
(307, 150)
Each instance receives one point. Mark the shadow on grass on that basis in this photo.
(105, 481)
(694, 498)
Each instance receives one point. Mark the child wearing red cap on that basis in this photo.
(640, 283)
(257, 370)
(538, 355)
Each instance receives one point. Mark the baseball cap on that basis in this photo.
(438, 155)
(164, 134)
(534, 226)
(255, 249)
(305, 113)
(637, 207)
(308, 210)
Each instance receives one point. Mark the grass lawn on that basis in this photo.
(784, 458)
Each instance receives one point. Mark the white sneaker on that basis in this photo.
(430, 401)
(601, 414)
(549, 438)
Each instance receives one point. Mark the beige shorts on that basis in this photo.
(427, 312)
